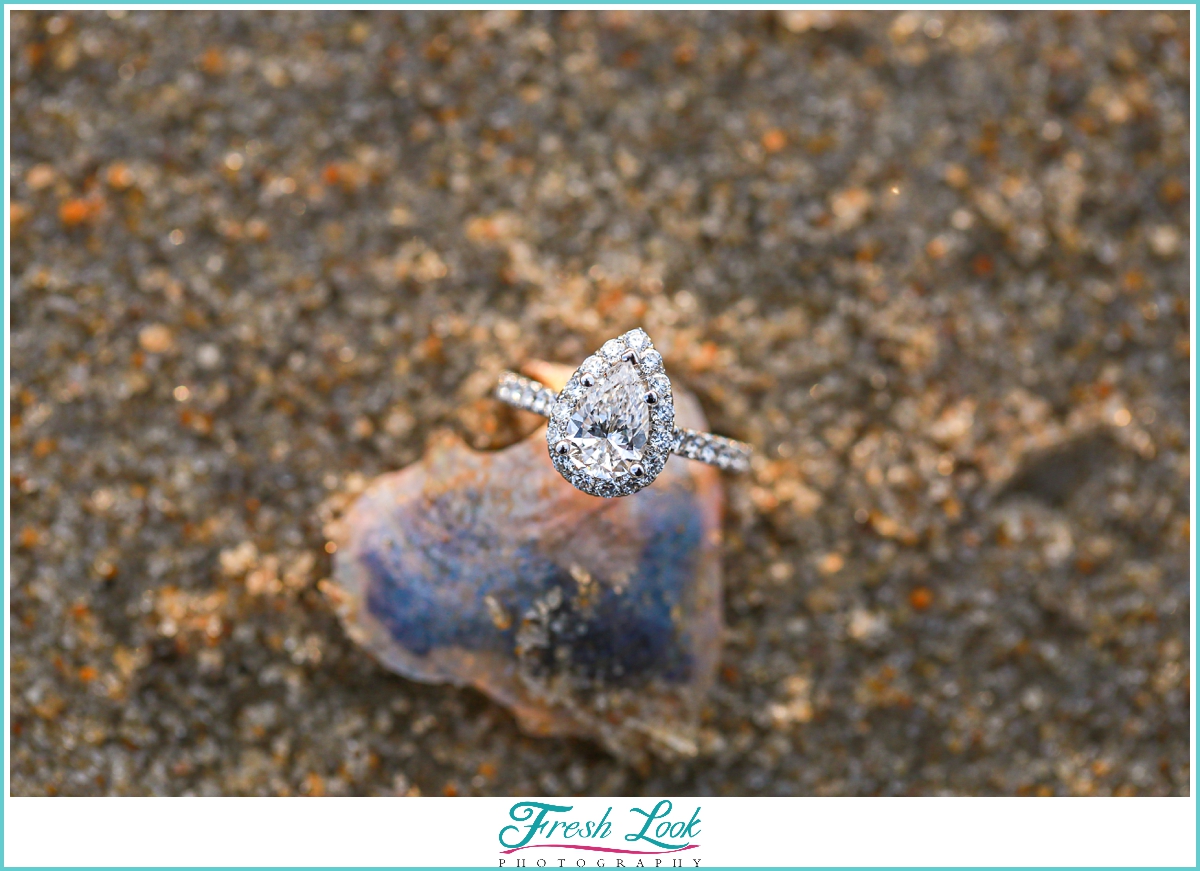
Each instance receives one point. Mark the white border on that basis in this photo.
(734, 832)
(738, 832)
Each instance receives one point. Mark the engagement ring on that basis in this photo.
(613, 426)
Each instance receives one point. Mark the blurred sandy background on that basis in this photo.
(934, 265)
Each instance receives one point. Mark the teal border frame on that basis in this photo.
(1194, 9)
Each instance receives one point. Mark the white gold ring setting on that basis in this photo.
(612, 427)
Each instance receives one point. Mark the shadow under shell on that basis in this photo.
(584, 616)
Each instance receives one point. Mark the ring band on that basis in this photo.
(725, 453)
(612, 426)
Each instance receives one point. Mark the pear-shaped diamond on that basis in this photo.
(607, 432)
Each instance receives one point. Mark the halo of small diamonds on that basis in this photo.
(612, 427)
(610, 366)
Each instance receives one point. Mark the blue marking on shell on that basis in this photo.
(431, 594)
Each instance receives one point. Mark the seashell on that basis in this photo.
(584, 616)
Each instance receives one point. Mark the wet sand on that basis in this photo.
(934, 266)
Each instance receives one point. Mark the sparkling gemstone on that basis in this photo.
(612, 349)
(607, 432)
(637, 340)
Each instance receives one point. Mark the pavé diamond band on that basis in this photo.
(613, 425)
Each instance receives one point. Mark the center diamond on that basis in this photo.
(608, 430)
